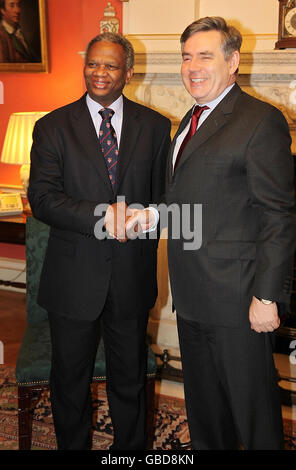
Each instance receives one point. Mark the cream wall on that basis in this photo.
(157, 24)
(255, 16)
(258, 15)
(158, 16)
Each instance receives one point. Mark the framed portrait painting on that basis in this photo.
(23, 36)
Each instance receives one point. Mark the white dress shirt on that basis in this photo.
(211, 105)
(116, 119)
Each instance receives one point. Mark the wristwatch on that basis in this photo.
(264, 301)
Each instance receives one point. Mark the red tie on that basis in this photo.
(194, 121)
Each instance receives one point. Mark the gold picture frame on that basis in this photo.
(33, 24)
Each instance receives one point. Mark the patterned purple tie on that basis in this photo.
(108, 142)
(193, 125)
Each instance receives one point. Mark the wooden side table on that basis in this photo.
(13, 229)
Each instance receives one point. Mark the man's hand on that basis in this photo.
(138, 222)
(115, 220)
(263, 318)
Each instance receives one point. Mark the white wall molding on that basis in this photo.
(274, 62)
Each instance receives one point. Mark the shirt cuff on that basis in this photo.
(156, 219)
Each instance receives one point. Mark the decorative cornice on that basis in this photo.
(270, 62)
(269, 57)
(266, 62)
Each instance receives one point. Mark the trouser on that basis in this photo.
(231, 392)
(74, 346)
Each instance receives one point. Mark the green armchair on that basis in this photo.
(33, 363)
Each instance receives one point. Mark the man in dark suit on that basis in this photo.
(88, 279)
(238, 166)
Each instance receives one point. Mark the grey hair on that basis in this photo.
(231, 37)
(115, 38)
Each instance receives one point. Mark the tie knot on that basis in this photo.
(106, 113)
(198, 110)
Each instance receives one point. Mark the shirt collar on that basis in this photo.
(212, 104)
(10, 29)
(94, 107)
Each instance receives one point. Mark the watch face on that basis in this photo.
(290, 22)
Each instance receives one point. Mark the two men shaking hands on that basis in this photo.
(125, 223)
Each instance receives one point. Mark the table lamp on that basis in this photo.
(18, 142)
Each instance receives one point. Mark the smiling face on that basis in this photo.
(105, 72)
(205, 72)
(11, 12)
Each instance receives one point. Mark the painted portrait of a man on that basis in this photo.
(19, 31)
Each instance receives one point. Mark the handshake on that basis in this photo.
(124, 223)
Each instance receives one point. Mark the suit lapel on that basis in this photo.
(86, 132)
(211, 125)
(129, 136)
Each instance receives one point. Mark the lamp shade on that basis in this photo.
(18, 138)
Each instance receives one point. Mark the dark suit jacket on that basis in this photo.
(239, 167)
(68, 180)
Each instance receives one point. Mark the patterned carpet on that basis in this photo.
(170, 420)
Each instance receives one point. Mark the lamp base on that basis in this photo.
(27, 209)
(25, 175)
